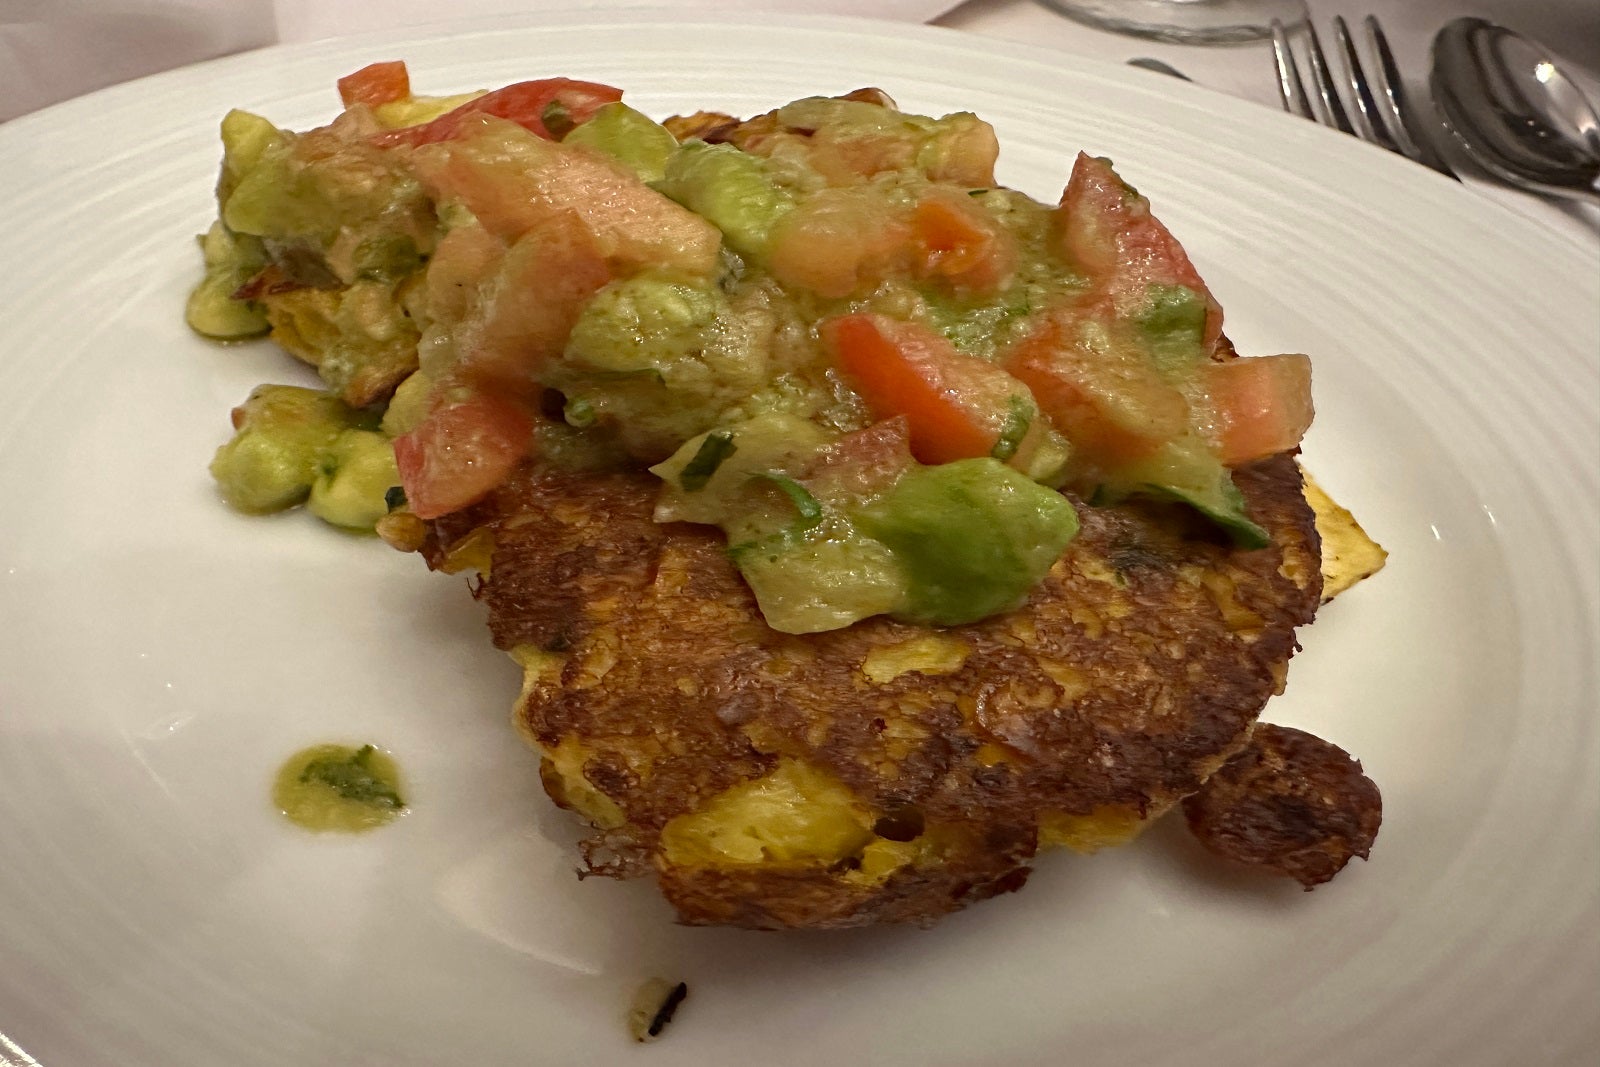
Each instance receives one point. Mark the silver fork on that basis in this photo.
(1391, 124)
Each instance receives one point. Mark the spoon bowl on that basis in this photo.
(1513, 111)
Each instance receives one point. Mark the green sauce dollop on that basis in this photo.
(337, 787)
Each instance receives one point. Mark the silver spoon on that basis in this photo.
(1513, 112)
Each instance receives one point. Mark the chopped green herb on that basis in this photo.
(807, 505)
(353, 779)
(717, 447)
(775, 544)
(1013, 430)
(557, 119)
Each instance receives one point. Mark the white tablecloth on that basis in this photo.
(54, 49)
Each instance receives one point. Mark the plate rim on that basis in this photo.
(224, 65)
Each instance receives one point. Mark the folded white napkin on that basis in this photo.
(51, 50)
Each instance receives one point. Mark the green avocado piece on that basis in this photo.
(328, 208)
(730, 189)
(807, 584)
(273, 460)
(1223, 504)
(1172, 326)
(645, 323)
(973, 537)
(1186, 471)
(356, 473)
(630, 137)
(245, 139)
(231, 260)
(654, 360)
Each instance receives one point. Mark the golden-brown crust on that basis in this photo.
(1291, 803)
(1136, 668)
(770, 898)
(705, 125)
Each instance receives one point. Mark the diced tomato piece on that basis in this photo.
(464, 259)
(1096, 385)
(1260, 405)
(376, 83)
(840, 242)
(955, 405)
(466, 446)
(962, 243)
(1106, 227)
(531, 304)
(515, 184)
(533, 105)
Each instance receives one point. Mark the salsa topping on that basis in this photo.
(829, 333)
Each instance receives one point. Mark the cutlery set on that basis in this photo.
(1498, 97)
(1495, 97)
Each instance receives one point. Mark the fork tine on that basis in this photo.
(1291, 90)
(1369, 127)
(1389, 83)
(1332, 110)
(1391, 125)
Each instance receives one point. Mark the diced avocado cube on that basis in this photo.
(212, 311)
(263, 472)
(409, 405)
(265, 199)
(821, 583)
(231, 260)
(644, 323)
(973, 536)
(276, 455)
(731, 189)
(352, 486)
(1187, 471)
(1223, 504)
(656, 360)
(629, 136)
(245, 139)
(837, 114)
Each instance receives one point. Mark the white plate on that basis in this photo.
(161, 655)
